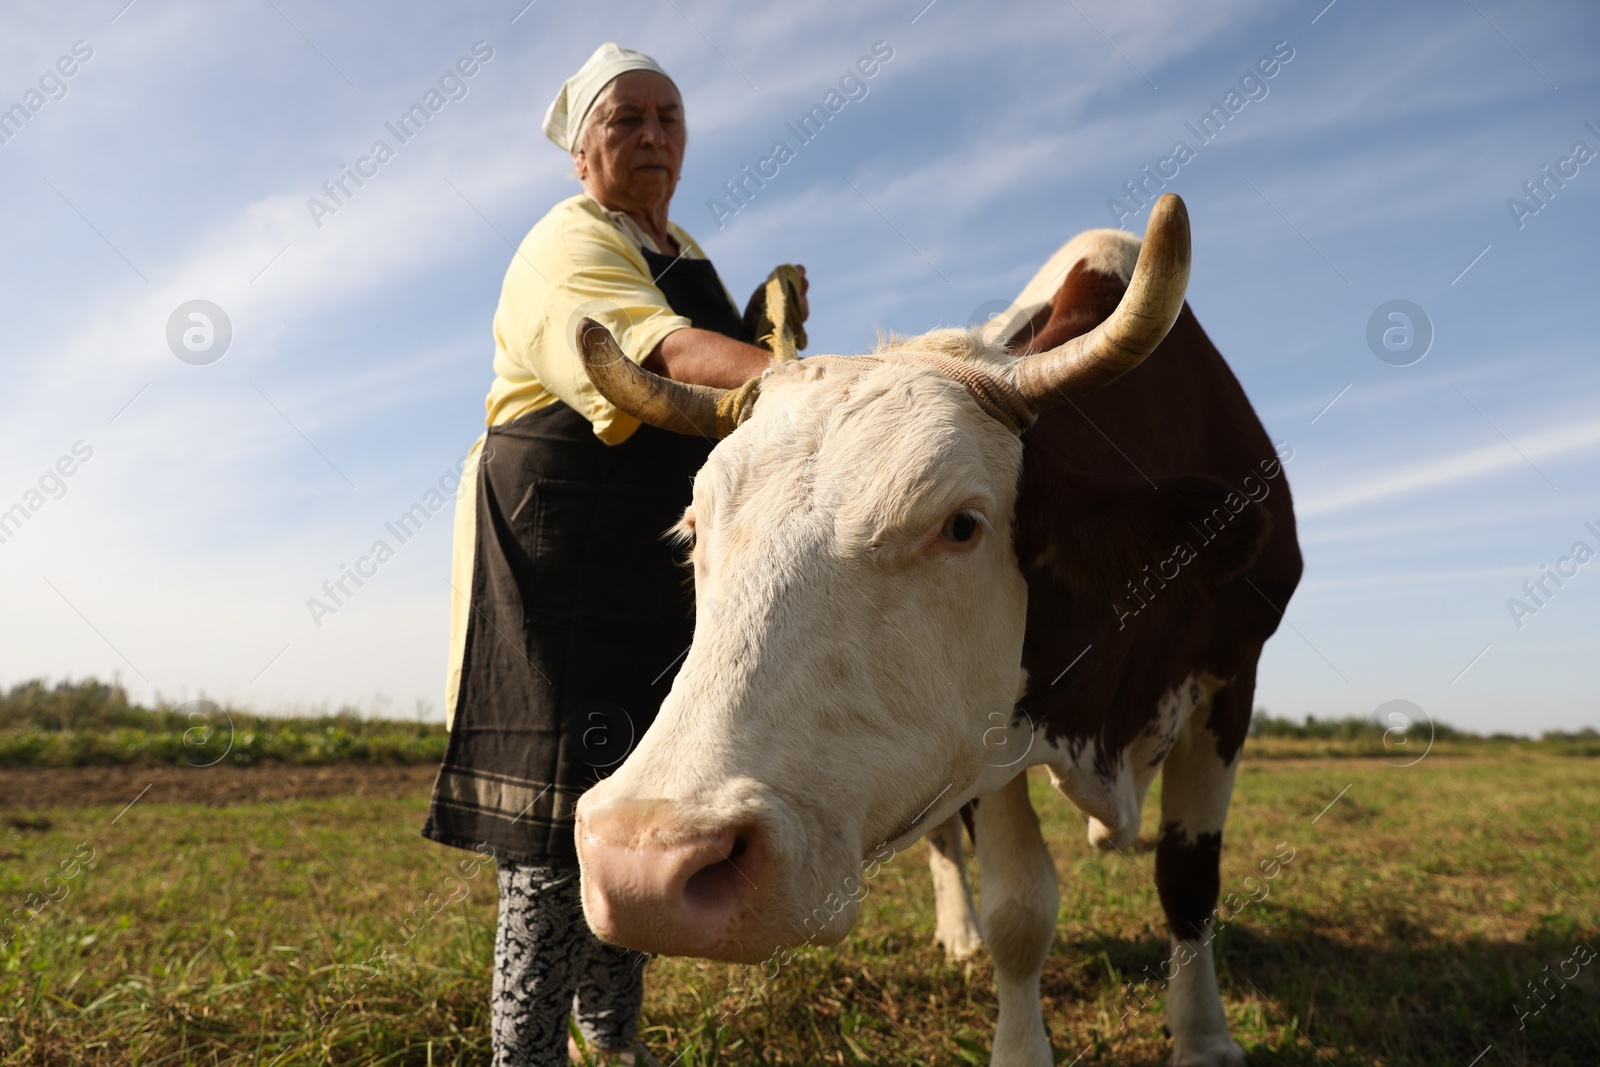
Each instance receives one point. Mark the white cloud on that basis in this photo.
(1463, 466)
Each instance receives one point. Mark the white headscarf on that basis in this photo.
(564, 121)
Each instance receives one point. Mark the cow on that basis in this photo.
(918, 573)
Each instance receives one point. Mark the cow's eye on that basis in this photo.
(961, 527)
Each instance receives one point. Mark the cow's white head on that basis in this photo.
(859, 623)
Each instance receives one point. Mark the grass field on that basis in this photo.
(1419, 904)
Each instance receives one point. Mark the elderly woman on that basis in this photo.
(570, 613)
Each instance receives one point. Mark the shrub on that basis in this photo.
(89, 723)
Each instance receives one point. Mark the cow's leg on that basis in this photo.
(1196, 786)
(1020, 906)
(957, 920)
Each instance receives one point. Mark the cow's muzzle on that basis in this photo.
(657, 882)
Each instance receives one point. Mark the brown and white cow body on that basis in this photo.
(902, 604)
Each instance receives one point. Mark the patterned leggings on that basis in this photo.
(546, 962)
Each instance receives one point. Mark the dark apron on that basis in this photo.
(580, 611)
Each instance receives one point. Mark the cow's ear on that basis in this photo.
(1191, 533)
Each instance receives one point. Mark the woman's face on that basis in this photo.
(632, 148)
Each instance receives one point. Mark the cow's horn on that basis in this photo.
(1147, 311)
(648, 397)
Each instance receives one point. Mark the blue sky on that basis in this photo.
(217, 498)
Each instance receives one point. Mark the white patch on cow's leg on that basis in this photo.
(1194, 1010)
(957, 919)
(1196, 788)
(1020, 905)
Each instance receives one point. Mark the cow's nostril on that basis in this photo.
(720, 886)
(713, 888)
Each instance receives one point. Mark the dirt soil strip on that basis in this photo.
(39, 788)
